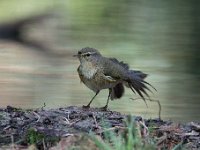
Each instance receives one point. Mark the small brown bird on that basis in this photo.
(98, 72)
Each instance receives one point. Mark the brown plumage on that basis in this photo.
(98, 72)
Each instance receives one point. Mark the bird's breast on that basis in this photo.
(87, 70)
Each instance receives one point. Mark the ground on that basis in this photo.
(74, 126)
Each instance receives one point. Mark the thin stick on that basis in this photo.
(95, 121)
(113, 128)
(141, 97)
(153, 100)
(162, 139)
(12, 141)
(66, 121)
(38, 116)
(44, 146)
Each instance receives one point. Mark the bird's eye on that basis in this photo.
(79, 53)
(87, 54)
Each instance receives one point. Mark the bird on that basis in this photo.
(98, 72)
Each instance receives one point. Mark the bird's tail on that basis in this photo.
(137, 84)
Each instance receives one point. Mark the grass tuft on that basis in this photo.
(126, 139)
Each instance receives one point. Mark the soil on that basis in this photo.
(20, 128)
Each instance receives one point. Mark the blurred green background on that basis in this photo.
(160, 38)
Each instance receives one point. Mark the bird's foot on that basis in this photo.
(105, 108)
(86, 107)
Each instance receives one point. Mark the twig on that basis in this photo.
(44, 146)
(37, 116)
(138, 129)
(74, 122)
(192, 133)
(7, 127)
(68, 115)
(162, 139)
(113, 128)
(67, 134)
(67, 112)
(65, 120)
(146, 131)
(95, 121)
(197, 127)
(178, 146)
(152, 100)
(140, 98)
(44, 105)
(12, 141)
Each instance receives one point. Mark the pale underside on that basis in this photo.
(95, 79)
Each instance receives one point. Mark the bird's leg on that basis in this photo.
(106, 106)
(88, 105)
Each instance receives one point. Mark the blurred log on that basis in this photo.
(14, 32)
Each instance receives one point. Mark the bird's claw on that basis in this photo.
(86, 107)
(105, 108)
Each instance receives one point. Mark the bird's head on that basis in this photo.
(87, 54)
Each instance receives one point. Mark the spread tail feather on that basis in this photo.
(138, 73)
(137, 84)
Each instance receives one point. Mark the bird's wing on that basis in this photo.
(113, 68)
(125, 65)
